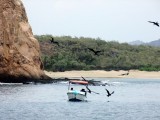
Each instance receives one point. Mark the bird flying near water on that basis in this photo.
(108, 93)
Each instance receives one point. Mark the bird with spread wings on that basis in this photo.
(54, 42)
(154, 23)
(94, 51)
(108, 93)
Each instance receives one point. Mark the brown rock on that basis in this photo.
(19, 50)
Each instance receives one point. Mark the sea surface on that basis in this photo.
(133, 99)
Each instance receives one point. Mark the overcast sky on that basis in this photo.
(120, 20)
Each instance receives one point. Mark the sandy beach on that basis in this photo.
(104, 74)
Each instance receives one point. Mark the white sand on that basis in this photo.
(106, 74)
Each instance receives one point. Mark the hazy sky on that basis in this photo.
(120, 20)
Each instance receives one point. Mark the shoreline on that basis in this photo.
(104, 74)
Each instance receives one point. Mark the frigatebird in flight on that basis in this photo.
(54, 42)
(94, 51)
(154, 23)
(109, 94)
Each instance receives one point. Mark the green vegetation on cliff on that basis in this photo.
(73, 54)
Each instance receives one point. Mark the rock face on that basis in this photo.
(19, 50)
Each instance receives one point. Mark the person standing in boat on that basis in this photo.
(83, 90)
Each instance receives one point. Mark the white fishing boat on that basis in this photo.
(77, 95)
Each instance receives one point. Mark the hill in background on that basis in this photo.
(155, 43)
(137, 42)
(73, 54)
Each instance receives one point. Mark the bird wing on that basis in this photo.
(52, 38)
(97, 52)
(150, 22)
(88, 89)
(107, 91)
(91, 49)
(157, 24)
(112, 92)
(84, 78)
(57, 43)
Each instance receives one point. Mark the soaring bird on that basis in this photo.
(109, 94)
(155, 23)
(54, 42)
(95, 52)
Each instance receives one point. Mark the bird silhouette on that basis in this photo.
(155, 23)
(95, 52)
(54, 42)
(109, 94)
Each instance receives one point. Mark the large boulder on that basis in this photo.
(19, 51)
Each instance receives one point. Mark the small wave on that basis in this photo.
(119, 83)
(11, 83)
(63, 82)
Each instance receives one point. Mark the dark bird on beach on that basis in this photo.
(54, 42)
(125, 73)
(155, 23)
(95, 52)
(109, 94)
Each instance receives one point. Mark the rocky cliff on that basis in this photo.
(19, 50)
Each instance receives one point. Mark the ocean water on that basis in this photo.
(134, 99)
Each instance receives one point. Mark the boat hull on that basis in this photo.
(76, 96)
